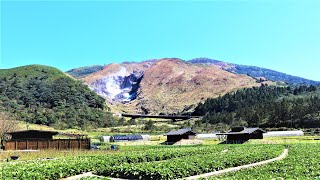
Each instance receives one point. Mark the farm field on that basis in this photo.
(302, 163)
(221, 156)
(201, 162)
(168, 162)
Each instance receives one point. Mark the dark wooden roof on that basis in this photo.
(243, 130)
(180, 132)
(34, 131)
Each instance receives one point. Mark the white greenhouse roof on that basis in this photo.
(283, 133)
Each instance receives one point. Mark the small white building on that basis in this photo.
(283, 133)
(105, 138)
(146, 137)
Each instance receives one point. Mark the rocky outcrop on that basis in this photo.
(118, 87)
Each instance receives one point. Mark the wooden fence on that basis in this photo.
(47, 144)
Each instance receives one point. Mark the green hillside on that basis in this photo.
(297, 107)
(84, 71)
(45, 95)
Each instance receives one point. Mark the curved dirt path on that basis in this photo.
(217, 173)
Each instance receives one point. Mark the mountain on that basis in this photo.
(45, 95)
(84, 71)
(164, 86)
(256, 72)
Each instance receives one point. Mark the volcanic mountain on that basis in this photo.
(164, 86)
(256, 72)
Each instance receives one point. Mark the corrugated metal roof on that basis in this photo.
(180, 132)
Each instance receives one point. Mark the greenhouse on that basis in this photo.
(283, 133)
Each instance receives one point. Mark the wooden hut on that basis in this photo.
(175, 136)
(37, 139)
(242, 134)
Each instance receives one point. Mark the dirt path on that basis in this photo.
(217, 173)
(88, 174)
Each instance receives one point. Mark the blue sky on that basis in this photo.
(280, 35)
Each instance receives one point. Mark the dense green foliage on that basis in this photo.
(220, 157)
(301, 163)
(45, 95)
(84, 71)
(264, 106)
(204, 161)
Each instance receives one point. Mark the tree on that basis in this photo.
(7, 124)
(149, 125)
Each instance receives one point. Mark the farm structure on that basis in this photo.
(240, 135)
(283, 133)
(37, 139)
(174, 118)
(175, 136)
(123, 138)
(105, 138)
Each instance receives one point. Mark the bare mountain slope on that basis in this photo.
(164, 86)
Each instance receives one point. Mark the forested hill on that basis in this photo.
(45, 95)
(84, 71)
(265, 107)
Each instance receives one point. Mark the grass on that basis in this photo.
(286, 140)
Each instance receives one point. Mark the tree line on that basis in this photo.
(265, 106)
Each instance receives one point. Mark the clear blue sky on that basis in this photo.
(281, 35)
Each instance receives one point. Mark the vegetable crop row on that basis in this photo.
(194, 165)
(65, 167)
(303, 162)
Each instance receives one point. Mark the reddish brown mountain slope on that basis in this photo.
(167, 85)
(172, 85)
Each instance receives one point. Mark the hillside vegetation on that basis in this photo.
(84, 71)
(45, 95)
(265, 107)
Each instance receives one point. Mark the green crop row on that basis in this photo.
(231, 156)
(65, 167)
(303, 162)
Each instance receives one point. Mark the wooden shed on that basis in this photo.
(37, 139)
(175, 136)
(242, 134)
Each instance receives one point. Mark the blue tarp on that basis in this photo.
(125, 138)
